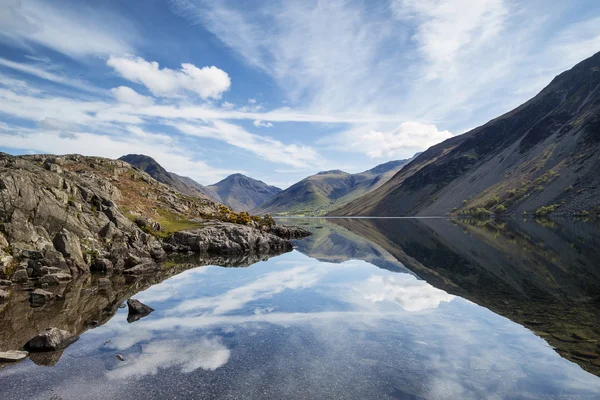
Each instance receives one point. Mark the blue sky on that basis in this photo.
(276, 90)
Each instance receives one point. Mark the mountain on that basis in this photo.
(182, 183)
(243, 193)
(541, 158)
(319, 193)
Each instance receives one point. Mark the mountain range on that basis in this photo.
(313, 195)
(237, 191)
(322, 192)
(539, 158)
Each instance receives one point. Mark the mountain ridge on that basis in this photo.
(536, 159)
(243, 193)
(319, 193)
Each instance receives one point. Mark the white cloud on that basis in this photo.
(77, 30)
(206, 82)
(265, 286)
(402, 142)
(203, 353)
(262, 124)
(447, 28)
(411, 294)
(265, 147)
(127, 95)
(251, 101)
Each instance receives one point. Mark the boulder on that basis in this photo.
(4, 294)
(51, 339)
(103, 265)
(41, 296)
(68, 244)
(32, 254)
(137, 310)
(5, 282)
(13, 355)
(20, 276)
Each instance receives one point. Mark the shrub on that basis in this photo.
(568, 189)
(481, 212)
(500, 209)
(492, 201)
(545, 210)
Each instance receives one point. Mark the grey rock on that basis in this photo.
(55, 279)
(137, 310)
(40, 296)
(4, 294)
(20, 276)
(32, 254)
(103, 265)
(68, 244)
(51, 339)
(13, 355)
(289, 232)
(5, 282)
(228, 238)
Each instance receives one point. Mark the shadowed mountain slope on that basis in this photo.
(542, 154)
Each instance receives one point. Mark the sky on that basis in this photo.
(277, 89)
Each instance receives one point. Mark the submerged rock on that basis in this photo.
(13, 355)
(51, 339)
(137, 310)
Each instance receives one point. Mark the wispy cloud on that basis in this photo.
(76, 31)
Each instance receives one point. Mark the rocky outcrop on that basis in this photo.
(51, 339)
(61, 216)
(227, 238)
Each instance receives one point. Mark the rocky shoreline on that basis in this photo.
(63, 218)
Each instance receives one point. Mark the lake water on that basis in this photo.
(363, 309)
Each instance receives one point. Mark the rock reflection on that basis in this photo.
(89, 301)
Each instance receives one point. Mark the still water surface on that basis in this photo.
(363, 309)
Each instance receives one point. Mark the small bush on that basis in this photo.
(545, 210)
(492, 201)
(568, 189)
(500, 209)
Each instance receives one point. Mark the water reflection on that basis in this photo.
(295, 326)
(541, 275)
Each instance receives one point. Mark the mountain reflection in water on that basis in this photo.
(363, 309)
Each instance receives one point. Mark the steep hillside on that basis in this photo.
(319, 193)
(243, 193)
(183, 184)
(540, 158)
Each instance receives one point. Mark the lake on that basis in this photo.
(362, 309)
